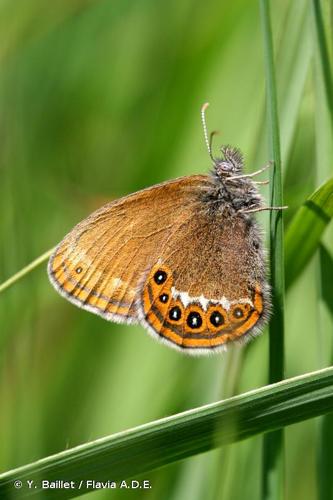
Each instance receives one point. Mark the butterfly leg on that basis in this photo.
(260, 209)
(257, 172)
(264, 183)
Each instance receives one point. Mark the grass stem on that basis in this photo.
(273, 463)
(26, 270)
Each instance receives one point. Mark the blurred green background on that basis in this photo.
(102, 98)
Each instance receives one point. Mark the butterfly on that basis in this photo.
(184, 258)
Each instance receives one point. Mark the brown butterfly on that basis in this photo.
(183, 258)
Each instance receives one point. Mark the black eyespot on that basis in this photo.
(78, 270)
(216, 318)
(175, 313)
(256, 244)
(194, 320)
(164, 298)
(160, 277)
(238, 313)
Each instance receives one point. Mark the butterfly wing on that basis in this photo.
(171, 259)
(208, 287)
(100, 264)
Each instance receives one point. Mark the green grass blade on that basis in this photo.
(324, 55)
(273, 478)
(164, 441)
(323, 86)
(276, 224)
(326, 272)
(306, 229)
(325, 437)
(26, 270)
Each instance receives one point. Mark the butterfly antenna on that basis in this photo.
(207, 140)
(211, 137)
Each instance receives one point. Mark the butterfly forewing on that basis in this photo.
(101, 263)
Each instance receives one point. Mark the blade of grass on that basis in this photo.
(293, 58)
(164, 441)
(325, 441)
(323, 84)
(273, 477)
(26, 270)
(324, 55)
(326, 271)
(276, 221)
(306, 229)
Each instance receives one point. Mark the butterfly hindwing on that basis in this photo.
(207, 288)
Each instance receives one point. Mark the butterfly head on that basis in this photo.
(231, 162)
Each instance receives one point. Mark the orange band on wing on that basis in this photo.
(247, 325)
(254, 317)
(114, 297)
(258, 302)
(236, 321)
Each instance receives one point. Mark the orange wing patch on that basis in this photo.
(90, 288)
(194, 327)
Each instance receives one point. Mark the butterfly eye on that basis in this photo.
(160, 277)
(78, 270)
(194, 320)
(226, 166)
(216, 318)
